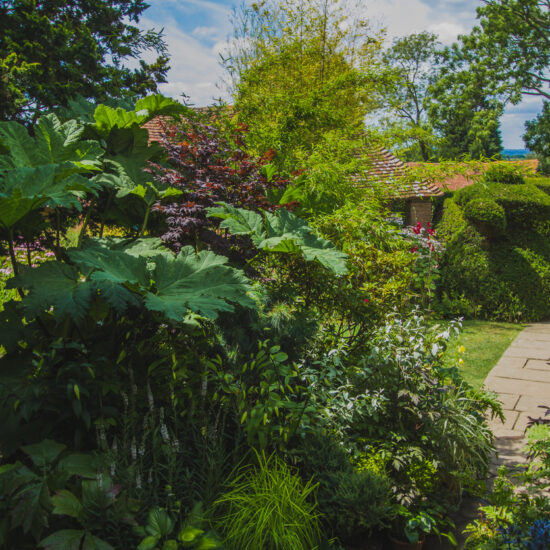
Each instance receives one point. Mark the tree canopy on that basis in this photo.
(300, 71)
(413, 63)
(537, 137)
(513, 42)
(54, 50)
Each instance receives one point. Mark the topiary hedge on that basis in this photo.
(505, 278)
(504, 173)
(487, 216)
(524, 205)
(541, 183)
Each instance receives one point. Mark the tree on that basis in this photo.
(537, 137)
(413, 61)
(513, 41)
(465, 105)
(53, 50)
(299, 71)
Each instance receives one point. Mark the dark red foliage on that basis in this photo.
(209, 168)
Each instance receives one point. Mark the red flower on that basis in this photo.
(417, 228)
(366, 300)
(414, 249)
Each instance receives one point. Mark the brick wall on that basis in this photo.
(418, 210)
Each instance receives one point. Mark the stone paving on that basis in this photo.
(522, 381)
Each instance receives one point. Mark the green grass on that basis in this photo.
(485, 342)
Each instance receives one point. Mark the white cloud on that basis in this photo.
(211, 33)
(447, 31)
(194, 66)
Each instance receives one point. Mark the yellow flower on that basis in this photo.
(461, 349)
(460, 361)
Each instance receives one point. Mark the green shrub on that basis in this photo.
(541, 183)
(525, 205)
(487, 216)
(509, 174)
(270, 508)
(351, 501)
(505, 280)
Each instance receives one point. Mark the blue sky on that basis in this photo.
(197, 30)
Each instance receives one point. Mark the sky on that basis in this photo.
(196, 32)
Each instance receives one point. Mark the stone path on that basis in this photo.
(522, 381)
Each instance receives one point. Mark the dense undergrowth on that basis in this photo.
(198, 366)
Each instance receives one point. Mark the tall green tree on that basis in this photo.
(301, 71)
(413, 63)
(52, 50)
(512, 41)
(465, 104)
(537, 137)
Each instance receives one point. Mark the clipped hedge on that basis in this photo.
(487, 216)
(507, 174)
(541, 183)
(504, 279)
(524, 205)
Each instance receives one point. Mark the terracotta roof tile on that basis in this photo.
(453, 182)
(388, 169)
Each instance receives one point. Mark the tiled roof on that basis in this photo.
(156, 128)
(452, 182)
(386, 168)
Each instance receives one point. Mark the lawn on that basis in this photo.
(484, 343)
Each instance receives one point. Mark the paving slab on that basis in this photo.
(524, 374)
(496, 384)
(506, 361)
(509, 400)
(528, 352)
(521, 379)
(527, 403)
(537, 364)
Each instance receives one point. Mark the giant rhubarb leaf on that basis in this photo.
(281, 231)
(199, 282)
(57, 285)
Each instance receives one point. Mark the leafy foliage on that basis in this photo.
(281, 231)
(207, 167)
(299, 71)
(505, 277)
(537, 137)
(46, 69)
(268, 507)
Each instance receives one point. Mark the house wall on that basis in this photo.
(418, 210)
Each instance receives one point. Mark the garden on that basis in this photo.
(215, 329)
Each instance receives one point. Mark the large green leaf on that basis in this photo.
(118, 275)
(238, 220)
(58, 285)
(157, 104)
(131, 178)
(25, 189)
(95, 543)
(108, 118)
(159, 523)
(66, 539)
(45, 452)
(283, 232)
(200, 282)
(115, 266)
(66, 504)
(16, 139)
(53, 143)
